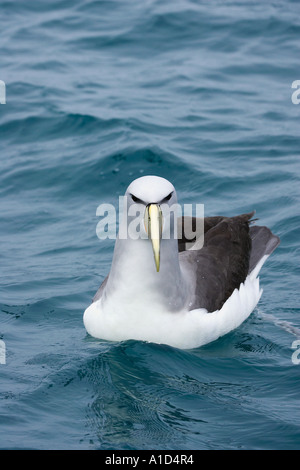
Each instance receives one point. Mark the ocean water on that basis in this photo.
(97, 94)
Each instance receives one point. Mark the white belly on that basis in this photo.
(182, 329)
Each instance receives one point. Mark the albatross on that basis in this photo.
(173, 290)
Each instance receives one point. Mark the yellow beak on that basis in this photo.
(153, 225)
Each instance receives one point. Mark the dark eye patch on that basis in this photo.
(139, 201)
(168, 197)
(136, 199)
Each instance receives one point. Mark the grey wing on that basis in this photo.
(192, 229)
(264, 242)
(98, 294)
(230, 251)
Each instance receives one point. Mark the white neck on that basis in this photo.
(134, 281)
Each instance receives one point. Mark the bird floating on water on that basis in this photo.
(186, 296)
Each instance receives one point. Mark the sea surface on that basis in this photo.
(99, 93)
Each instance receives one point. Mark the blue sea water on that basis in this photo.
(97, 94)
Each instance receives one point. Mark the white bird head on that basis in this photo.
(154, 196)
